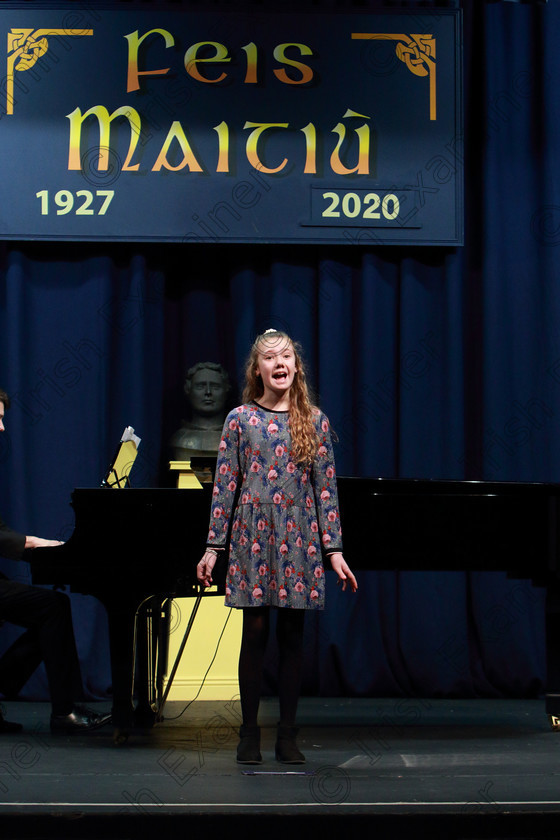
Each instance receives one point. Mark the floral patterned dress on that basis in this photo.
(283, 516)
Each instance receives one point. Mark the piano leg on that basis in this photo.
(121, 613)
(552, 700)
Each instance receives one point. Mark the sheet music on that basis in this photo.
(119, 471)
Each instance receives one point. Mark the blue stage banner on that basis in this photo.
(183, 126)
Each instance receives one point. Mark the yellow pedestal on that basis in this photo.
(221, 682)
(186, 478)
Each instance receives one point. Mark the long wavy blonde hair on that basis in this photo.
(305, 440)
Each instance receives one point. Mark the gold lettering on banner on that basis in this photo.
(104, 120)
(417, 52)
(25, 48)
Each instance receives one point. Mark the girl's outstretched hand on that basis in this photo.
(205, 566)
(343, 571)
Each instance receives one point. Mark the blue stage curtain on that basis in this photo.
(431, 363)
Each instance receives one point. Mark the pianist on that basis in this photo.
(48, 637)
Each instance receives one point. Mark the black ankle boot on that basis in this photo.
(286, 748)
(249, 747)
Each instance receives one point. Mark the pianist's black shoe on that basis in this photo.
(80, 719)
(6, 726)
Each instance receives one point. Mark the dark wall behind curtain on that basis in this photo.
(431, 363)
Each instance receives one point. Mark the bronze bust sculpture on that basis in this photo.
(207, 387)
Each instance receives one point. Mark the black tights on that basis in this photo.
(289, 633)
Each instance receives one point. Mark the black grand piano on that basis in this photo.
(137, 548)
(134, 550)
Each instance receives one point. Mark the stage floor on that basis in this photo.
(462, 768)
